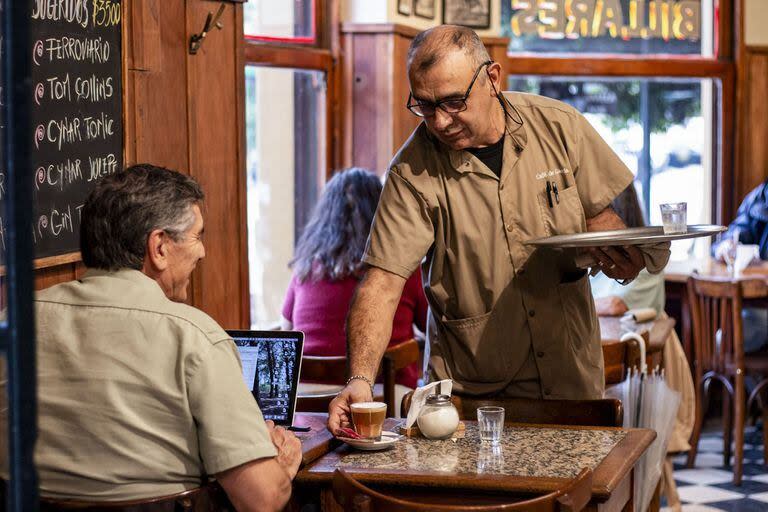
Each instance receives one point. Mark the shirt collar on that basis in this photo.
(136, 277)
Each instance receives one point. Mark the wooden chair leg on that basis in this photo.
(696, 433)
(728, 403)
(739, 420)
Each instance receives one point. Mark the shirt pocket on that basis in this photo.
(475, 351)
(566, 216)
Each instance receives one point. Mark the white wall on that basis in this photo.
(756, 22)
(385, 11)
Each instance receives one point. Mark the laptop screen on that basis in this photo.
(271, 366)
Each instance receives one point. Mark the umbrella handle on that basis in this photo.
(641, 343)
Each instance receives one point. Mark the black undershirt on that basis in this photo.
(491, 156)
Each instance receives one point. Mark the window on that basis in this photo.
(289, 21)
(288, 92)
(653, 80)
(285, 163)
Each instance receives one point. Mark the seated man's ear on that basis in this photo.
(156, 258)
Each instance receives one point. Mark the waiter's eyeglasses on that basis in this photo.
(423, 108)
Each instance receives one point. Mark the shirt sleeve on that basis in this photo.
(230, 428)
(290, 298)
(599, 173)
(402, 230)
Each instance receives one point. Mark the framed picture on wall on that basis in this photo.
(404, 7)
(424, 8)
(470, 13)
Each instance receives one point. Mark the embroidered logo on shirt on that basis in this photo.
(553, 172)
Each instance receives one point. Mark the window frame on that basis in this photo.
(322, 56)
(721, 67)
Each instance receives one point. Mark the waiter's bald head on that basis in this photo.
(430, 46)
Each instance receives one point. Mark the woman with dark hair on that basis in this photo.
(327, 267)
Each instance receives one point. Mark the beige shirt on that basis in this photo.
(497, 305)
(138, 396)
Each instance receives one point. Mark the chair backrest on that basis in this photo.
(356, 497)
(605, 412)
(208, 498)
(619, 356)
(715, 306)
(396, 358)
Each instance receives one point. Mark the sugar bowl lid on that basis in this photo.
(438, 400)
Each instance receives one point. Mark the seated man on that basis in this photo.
(140, 395)
(750, 227)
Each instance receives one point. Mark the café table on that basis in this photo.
(531, 460)
(318, 441)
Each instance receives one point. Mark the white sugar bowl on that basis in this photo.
(438, 419)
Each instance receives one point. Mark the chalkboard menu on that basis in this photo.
(76, 113)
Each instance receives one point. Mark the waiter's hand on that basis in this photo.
(619, 262)
(339, 415)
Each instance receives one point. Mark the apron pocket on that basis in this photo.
(476, 355)
(579, 310)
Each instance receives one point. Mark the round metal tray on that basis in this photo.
(629, 236)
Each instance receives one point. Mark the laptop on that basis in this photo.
(271, 367)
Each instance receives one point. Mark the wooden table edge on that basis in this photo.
(605, 478)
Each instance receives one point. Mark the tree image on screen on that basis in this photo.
(275, 370)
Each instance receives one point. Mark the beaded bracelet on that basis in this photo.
(363, 378)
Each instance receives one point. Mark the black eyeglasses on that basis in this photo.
(451, 105)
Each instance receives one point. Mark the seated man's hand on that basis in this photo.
(723, 249)
(619, 262)
(339, 415)
(610, 306)
(288, 448)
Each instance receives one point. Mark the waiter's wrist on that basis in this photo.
(361, 378)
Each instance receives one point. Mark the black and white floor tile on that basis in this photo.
(708, 487)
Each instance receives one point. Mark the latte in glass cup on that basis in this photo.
(368, 418)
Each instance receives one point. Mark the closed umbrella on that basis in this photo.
(648, 403)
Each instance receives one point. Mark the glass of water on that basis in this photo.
(673, 217)
(490, 423)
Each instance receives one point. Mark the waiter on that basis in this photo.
(483, 173)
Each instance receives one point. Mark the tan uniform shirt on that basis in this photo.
(501, 312)
(139, 396)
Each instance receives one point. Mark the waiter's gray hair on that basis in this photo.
(431, 45)
(124, 208)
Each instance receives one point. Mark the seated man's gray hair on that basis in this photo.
(126, 207)
(431, 45)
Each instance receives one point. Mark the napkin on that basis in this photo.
(745, 253)
(655, 257)
(640, 315)
(420, 396)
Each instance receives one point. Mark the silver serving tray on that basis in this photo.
(629, 236)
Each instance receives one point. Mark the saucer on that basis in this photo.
(387, 439)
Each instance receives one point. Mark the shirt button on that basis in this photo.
(540, 353)
(509, 227)
(521, 272)
(532, 313)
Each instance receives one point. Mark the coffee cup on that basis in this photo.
(368, 418)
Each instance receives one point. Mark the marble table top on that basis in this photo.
(524, 451)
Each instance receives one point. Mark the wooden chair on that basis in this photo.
(356, 497)
(606, 412)
(333, 369)
(208, 498)
(718, 355)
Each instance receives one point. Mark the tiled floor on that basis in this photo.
(708, 487)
